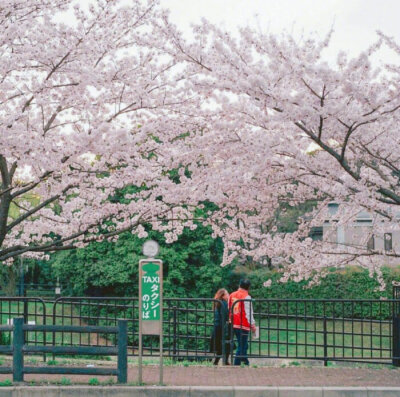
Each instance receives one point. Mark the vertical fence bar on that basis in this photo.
(205, 328)
(306, 331)
(18, 358)
(223, 330)
(26, 309)
(325, 344)
(174, 334)
(44, 332)
(54, 323)
(396, 338)
(122, 351)
(187, 340)
(196, 335)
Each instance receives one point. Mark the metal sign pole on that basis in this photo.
(140, 324)
(161, 322)
(150, 301)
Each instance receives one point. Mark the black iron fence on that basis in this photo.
(328, 330)
(32, 310)
(187, 324)
(350, 330)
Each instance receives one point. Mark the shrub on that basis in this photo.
(6, 382)
(5, 338)
(52, 362)
(65, 381)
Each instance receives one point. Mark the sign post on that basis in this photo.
(150, 300)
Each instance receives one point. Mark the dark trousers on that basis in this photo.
(226, 358)
(219, 336)
(242, 337)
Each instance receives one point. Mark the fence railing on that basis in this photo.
(187, 324)
(32, 310)
(327, 330)
(20, 347)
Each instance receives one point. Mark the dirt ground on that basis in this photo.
(237, 376)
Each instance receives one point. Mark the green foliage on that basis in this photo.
(191, 266)
(108, 382)
(349, 283)
(287, 216)
(5, 338)
(295, 363)
(5, 383)
(52, 362)
(94, 382)
(65, 381)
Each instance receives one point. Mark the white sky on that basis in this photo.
(355, 21)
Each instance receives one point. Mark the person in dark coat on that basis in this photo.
(221, 326)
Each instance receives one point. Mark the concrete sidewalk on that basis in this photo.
(235, 376)
(197, 391)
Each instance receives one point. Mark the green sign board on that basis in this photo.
(151, 291)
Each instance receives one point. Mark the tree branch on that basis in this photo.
(36, 209)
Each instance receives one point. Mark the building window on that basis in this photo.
(333, 208)
(340, 235)
(363, 217)
(371, 243)
(388, 241)
(316, 233)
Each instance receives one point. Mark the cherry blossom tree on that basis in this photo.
(289, 126)
(87, 104)
(111, 102)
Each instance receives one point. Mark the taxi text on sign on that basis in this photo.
(150, 296)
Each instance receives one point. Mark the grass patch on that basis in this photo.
(108, 382)
(65, 381)
(5, 383)
(52, 362)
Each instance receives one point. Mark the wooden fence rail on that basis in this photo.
(18, 348)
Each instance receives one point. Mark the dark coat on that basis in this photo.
(221, 325)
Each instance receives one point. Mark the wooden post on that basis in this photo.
(18, 356)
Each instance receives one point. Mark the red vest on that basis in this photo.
(238, 319)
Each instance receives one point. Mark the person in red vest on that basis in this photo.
(241, 316)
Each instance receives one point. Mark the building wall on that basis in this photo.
(357, 235)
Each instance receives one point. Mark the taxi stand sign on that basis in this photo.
(150, 305)
(150, 294)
